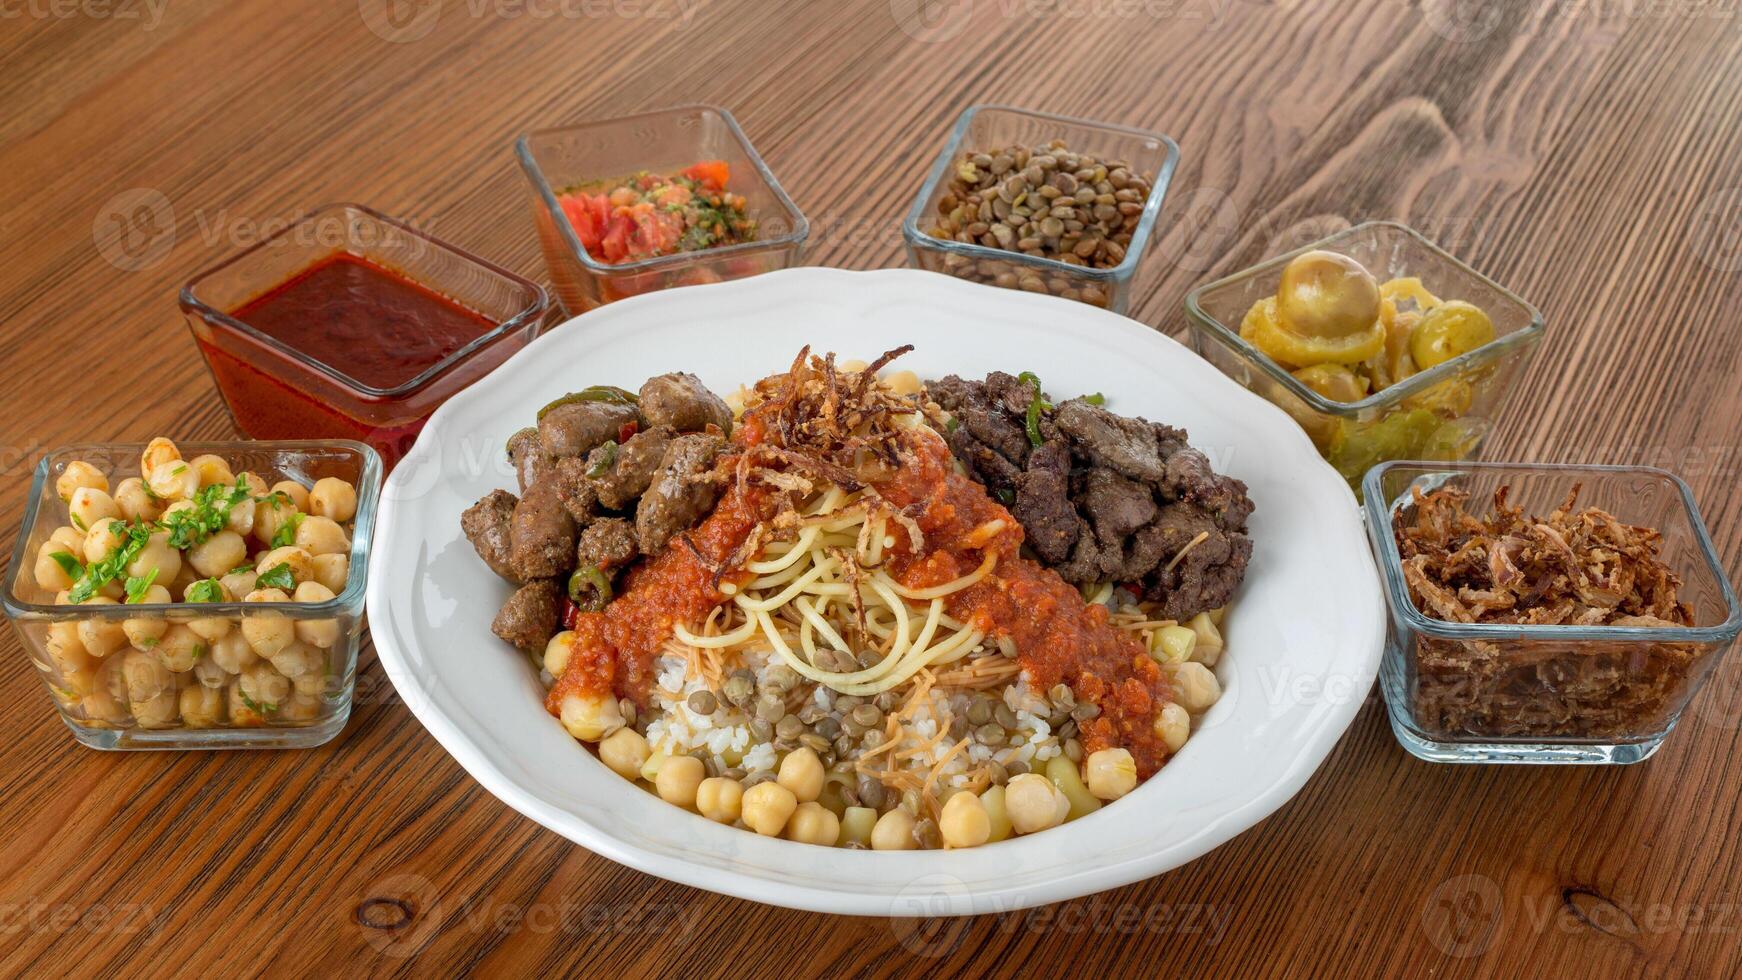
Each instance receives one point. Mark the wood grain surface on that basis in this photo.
(1585, 153)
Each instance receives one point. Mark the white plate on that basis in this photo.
(1303, 639)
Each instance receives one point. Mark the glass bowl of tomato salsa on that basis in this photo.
(676, 197)
(348, 324)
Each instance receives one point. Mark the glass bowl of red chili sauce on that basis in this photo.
(676, 197)
(349, 324)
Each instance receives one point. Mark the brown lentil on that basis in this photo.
(703, 702)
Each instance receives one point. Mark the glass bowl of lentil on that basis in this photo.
(133, 635)
(595, 154)
(1093, 241)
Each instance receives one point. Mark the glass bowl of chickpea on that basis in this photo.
(202, 596)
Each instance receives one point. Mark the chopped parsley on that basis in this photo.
(285, 536)
(205, 590)
(137, 586)
(77, 522)
(276, 577)
(68, 564)
(133, 538)
(209, 515)
(256, 707)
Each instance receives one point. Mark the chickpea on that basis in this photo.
(997, 819)
(678, 780)
(313, 683)
(213, 628)
(158, 556)
(557, 652)
(50, 576)
(264, 686)
(201, 706)
(1112, 773)
(300, 707)
(1209, 645)
(178, 506)
(69, 538)
(241, 712)
(766, 808)
(1175, 644)
(1063, 773)
(297, 493)
(212, 470)
(210, 674)
(590, 717)
(802, 773)
(157, 452)
(813, 823)
(624, 751)
(332, 571)
(65, 648)
(179, 648)
(90, 505)
(302, 565)
(1197, 687)
(893, 832)
(856, 824)
(240, 517)
(101, 637)
(256, 486)
(650, 768)
(299, 659)
(79, 474)
(964, 821)
(267, 632)
(720, 799)
(106, 535)
(322, 633)
(143, 632)
(233, 654)
(145, 676)
(135, 501)
(333, 499)
(321, 536)
(218, 554)
(1173, 726)
(174, 480)
(1034, 804)
(902, 382)
(269, 515)
(239, 583)
(159, 711)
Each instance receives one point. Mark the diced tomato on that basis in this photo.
(571, 612)
(711, 174)
(628, 429)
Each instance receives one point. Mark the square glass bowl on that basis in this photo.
(1442, 413)
(666, 141)
(987, 127)
(1482, 692)
(92, 693)
(276, 391)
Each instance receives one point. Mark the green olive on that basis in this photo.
(1448, 330)
(1326, 295)
(1334, 381)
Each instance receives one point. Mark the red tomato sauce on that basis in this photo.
(1059, 637)
(614, 650)
(365, 321)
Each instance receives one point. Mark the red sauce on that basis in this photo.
(1058, 636)
(365, 321)
(614, 650)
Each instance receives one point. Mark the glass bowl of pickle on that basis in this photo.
(1378, 342)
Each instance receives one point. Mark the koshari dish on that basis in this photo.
(801, 614)
(1575, 567)
(182, 534)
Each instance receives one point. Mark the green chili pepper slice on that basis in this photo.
(590, 575)
(605, 462)
(594, 393)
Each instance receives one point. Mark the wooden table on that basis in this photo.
(1586, 154)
